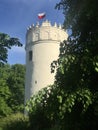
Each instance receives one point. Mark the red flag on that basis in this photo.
(41, 15)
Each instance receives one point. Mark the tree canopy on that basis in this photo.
(12, 79)
(6, 42)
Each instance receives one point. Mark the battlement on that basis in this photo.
(45, 31)
(46, 23)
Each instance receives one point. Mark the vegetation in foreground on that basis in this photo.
(12, 79)
(14, 122)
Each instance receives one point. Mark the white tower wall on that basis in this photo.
(42, 48)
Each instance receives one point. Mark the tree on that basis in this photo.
(16, 83)
(12, 80)
(81, 48)
(6, 42)
(4, 91)
(77, 70)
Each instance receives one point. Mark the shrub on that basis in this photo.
(14, 122)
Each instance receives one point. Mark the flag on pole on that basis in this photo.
(41, 15)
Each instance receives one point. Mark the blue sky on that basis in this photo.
(17, 15)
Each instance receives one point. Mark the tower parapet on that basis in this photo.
(45, 31)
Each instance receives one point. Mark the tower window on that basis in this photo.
(30, 55)
(35, 82)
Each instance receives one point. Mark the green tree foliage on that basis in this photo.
(14, 122)
(4, 91)
(6, 42)
(11, 89)
(16, 83)
(79, 55)
(77, 66)
(72, 102)
(37, 109)
(62, 110)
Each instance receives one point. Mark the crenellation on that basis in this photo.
(55, 24)
(60, 26)
(45, 31)
(30, 27)
(37, 24)
(27, 28)
(33, 25)
(46, 24)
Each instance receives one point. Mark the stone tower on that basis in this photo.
(42, 48)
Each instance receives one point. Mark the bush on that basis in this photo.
(14, 122)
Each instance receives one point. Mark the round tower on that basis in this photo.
(42, 48)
